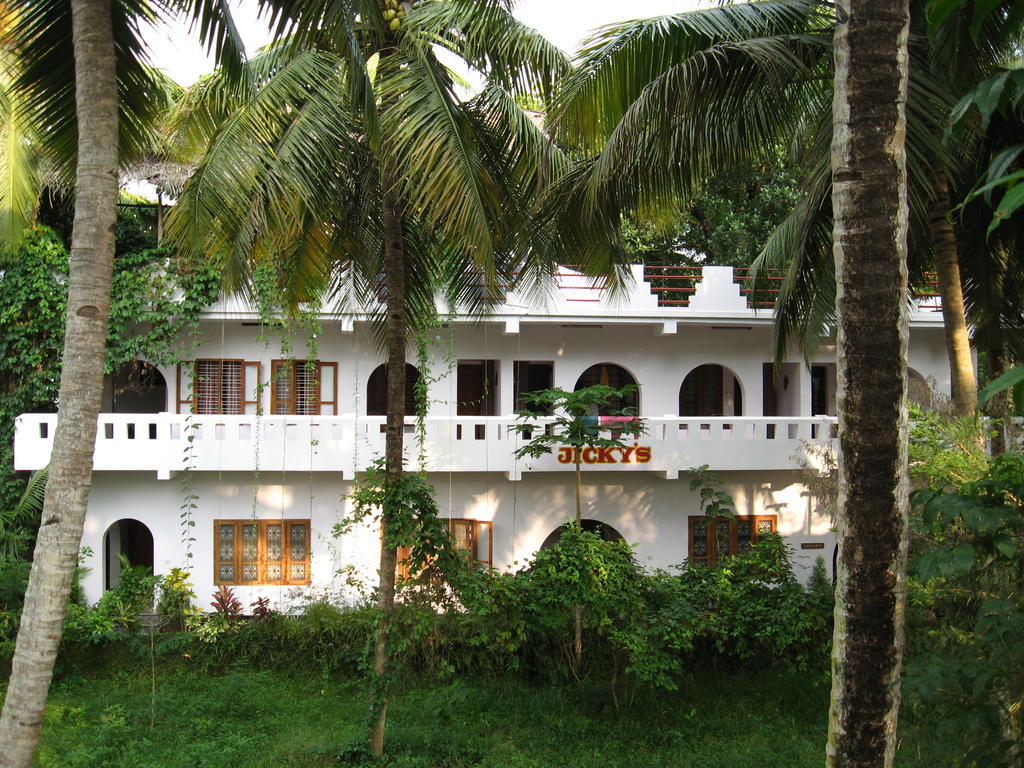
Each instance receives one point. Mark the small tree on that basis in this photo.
(572, 420)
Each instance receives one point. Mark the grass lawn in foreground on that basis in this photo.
(244, 719)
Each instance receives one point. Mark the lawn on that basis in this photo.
(245, 719)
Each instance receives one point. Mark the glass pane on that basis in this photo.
(483, 542)
(297, 572)
(273, 572)
(764, 526)
(462, 534)
(226, 542)
(274, 542)
(297, 542)
(700, 540)
(226, 573)
(722, 544)
(744, 535)
(249, 572)
(250, 545)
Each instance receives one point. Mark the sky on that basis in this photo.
(564, 22)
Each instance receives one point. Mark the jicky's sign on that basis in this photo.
(614, 454)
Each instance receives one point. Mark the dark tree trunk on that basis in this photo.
(954, 315)
(394, 258)
(869, 200)
(81, 384)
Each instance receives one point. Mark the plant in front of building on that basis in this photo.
(175, 599)
(571, 422)
(967, 637)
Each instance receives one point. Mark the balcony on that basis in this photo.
(170, 443)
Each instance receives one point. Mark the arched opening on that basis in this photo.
(136, 387)
(128, 538)
(611, 375)
(377, 390)
(711, 390)
(605, 531)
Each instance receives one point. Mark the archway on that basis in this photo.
(604, 530)
(711, 390)
(131, 539)
(135, 387)
(377, 390)
(611, 375)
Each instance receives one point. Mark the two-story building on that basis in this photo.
(237, 464)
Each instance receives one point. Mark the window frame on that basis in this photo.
(192, 400)
(261, 561)
(712, 555)
(291, 404)
(403, 553)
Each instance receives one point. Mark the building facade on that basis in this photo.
(237, 463)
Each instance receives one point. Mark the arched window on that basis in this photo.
(377, 391)
(605, 531)
(611, 375)
(711, 390)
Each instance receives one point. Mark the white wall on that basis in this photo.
(649, 512)
(658, 362)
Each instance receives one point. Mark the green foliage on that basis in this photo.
(754, 609)
(117, 611)
(288, 719)
(412, 520)
(727, 222)
(969, 612)
(153, 301)
(714, 502)
(175, 601)
(570, 418)
(945, 450)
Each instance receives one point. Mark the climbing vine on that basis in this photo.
(155, 300)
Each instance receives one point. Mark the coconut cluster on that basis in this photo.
(393, 14)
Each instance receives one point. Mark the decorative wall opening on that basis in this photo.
(136, 387)
(611, 375)
(602, 529)
(377, 390)
(711, 390)
(131, 539)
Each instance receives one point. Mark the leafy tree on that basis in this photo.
(727, 222)
(968, 673)
(569, 421)
(349, 162)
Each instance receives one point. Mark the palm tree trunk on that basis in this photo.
(954, 315)
(870, 204)
(394, 258)
(81, 384)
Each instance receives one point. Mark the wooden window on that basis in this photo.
(249, 552)
(304, 387)
(219, 386)
(470, 536)
(476, 384)
(377, 391)
(715, 537)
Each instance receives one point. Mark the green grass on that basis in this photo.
(245, 719)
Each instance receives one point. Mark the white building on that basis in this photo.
(266, 461)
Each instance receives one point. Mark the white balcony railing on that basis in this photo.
(346, 444)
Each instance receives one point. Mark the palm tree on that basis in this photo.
(681, 97)
(869, 166)
(351, 160)
(85, 135)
